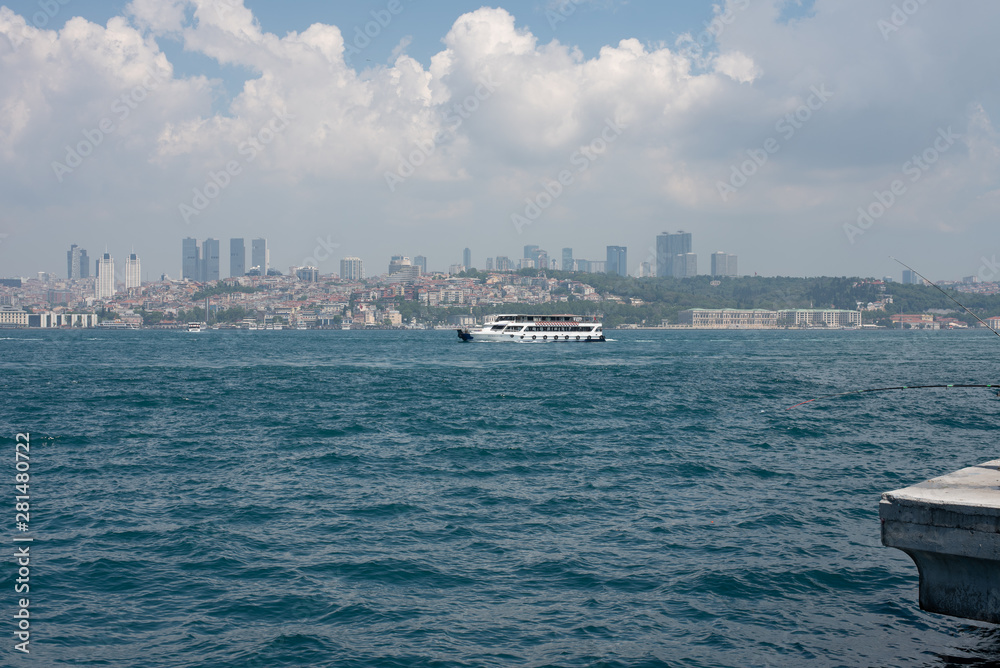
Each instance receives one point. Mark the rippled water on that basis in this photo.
(401, 499)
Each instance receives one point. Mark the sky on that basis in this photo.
(809, 138)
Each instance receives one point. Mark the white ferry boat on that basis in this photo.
(536, 329)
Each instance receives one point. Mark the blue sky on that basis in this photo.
(781, 140)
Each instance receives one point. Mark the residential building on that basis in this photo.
(685, 265)
(133, 272)
(105, 286)
(723, 264)
(237, 258)
(352, 269)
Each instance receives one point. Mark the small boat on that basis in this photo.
(521, 328)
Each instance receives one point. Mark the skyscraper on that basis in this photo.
(669, 246)
(397, 262)
(105, 285)
(260, 255)
(237, 257)
(352, 269)
(531, 252)
(190, 259)
(685, 265)
(723, 264)
(421, 262)
(467, 258)
(210, 260)
(133, 272)
(567, 259)
(503, 263)
(617, 263)
(77, 263)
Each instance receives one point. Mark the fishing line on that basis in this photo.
(886, 389)
(911, 387)
(939, 289)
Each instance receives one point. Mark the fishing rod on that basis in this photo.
(912, 387)
(941, 290)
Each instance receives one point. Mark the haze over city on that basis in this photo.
(811, 138)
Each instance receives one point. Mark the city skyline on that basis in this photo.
(655, 116)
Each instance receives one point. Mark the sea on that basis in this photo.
(399, 498)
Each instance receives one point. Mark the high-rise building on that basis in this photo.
(503, 263)
(617, 263)
(911, 278)
(685, 265)
(105, 285)
(260, 255)
(567, 259)
(723, 264)
(77, 263)
(397, 262)
(489, 264)
(467, 258)
(237, 257)
(531, 252)
(133, 272)
(210, 260)
(669, 246)
(190, 259)
(421, 262)
(352, 269)
(308, 274)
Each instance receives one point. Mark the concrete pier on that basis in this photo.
(950, 527)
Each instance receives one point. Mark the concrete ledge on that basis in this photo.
(950, 527)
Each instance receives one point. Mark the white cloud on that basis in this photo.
(686, 125)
